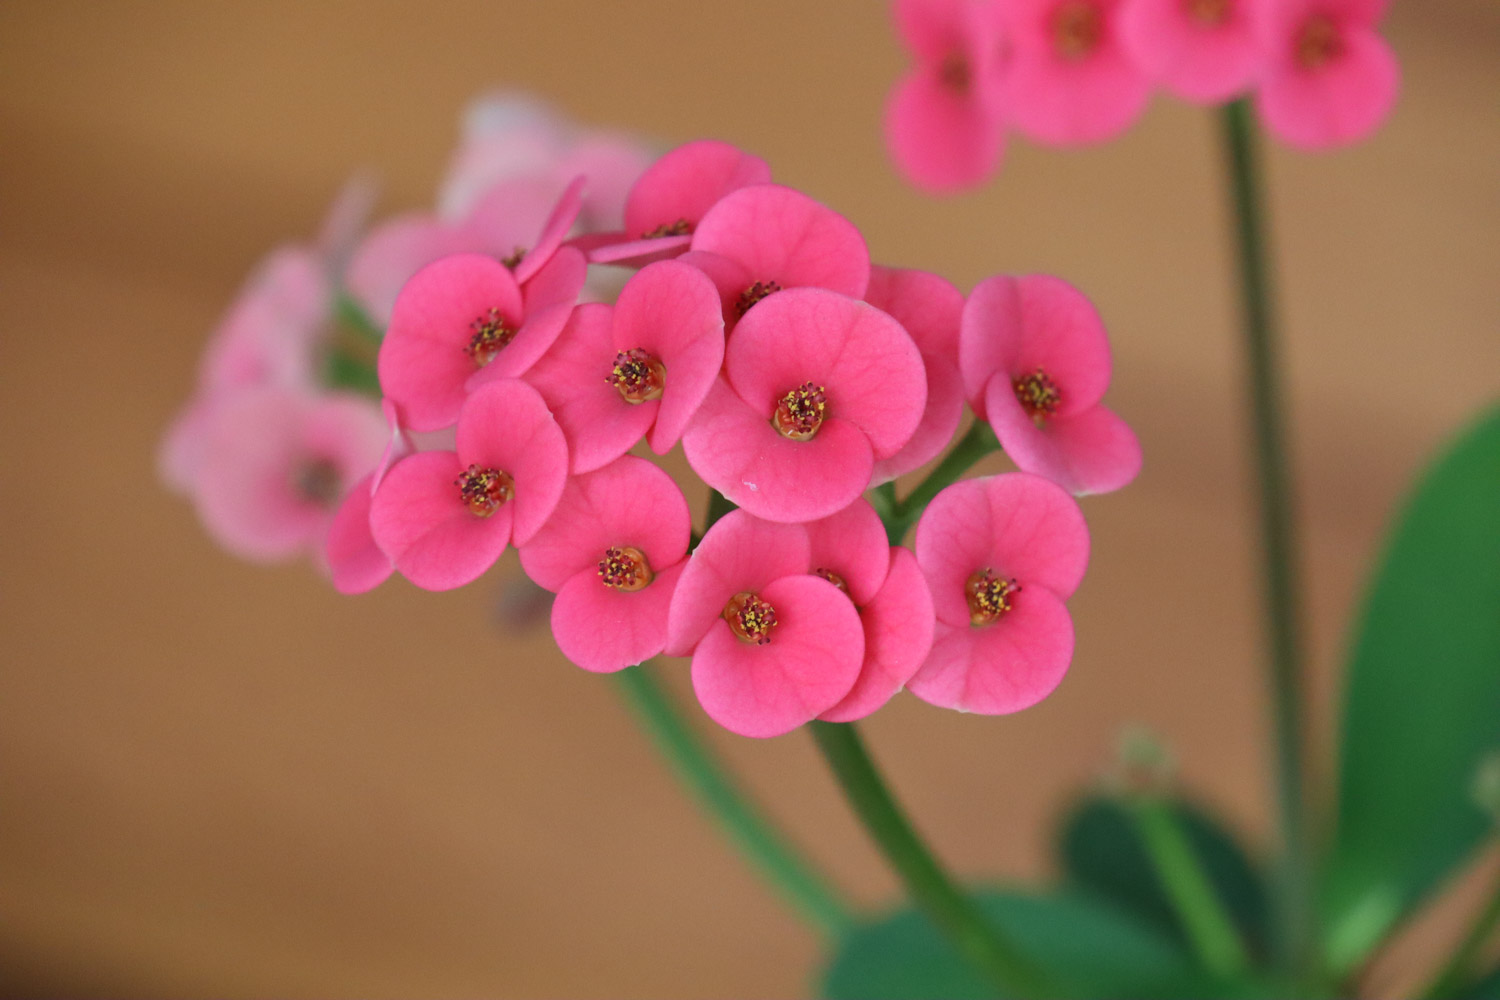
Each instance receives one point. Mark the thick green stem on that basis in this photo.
(1209, 928)
(949, 908)
(698, 766)
(1459, 969)
(1278, 546)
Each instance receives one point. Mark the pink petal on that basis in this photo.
(671, 311)
(629, 502)
(941, 140)
(635, 253)
(507, 426)
(1198, 62)
(898, 627)
(419, 519)
(940, 420)
(554, 231)
(395, 251)
(355, 562)
(779, 234)
(1018, 525)
(739, 553)
(852, 544)
(1003, 667)
(603, 629)
(931, 29)
(1341, 103)
(810, 663)
(1089, 452)
(728, 276)
(558, 283)
(612, 162)
(863, 358)
(423, 362)
(511, 212)
(736, 451)
(686, 182)
(598, 423)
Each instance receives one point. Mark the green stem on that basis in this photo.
(1458, 970)
(697, 765)
(353, 316)
(1277, 545)
(949, 908)
(977, 443)
(1208, 926)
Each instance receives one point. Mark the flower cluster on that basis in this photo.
(751, 327)
(1074, 72)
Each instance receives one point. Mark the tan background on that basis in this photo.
(223, 779)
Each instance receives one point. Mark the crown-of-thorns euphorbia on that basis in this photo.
(750, 325)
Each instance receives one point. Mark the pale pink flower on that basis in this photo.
(355, 562)
(817, 387)
(642, 367)
(943, 122)
(1070, 81)
(1035, 361)
(612, 552)
(773, 647)
(1001, 556)
(1201, 50)
(1329, 79)
(444, 517)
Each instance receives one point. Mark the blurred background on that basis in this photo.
(218, 778)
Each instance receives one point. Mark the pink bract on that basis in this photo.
(1329, 78)
(943, 121)
(396, 250)
(898, 624)
(930, 308)
(1025, 536)
(815, 350)
(1201, 50)
(355, 562)
(430, 514)
(1070, 81)
(1035, 362)
(675, 192)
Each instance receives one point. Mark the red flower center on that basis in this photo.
(800, 412)
(681, 227)
(1208, 13)
(638, 376)
(1038, 395)
(954, 73)
(750, 618)
(318, 481)
(1077, 29)
(490, 336)
(484, 490)
(625, 568)
(989, 596)
(832, 578)
(514, 260)
(1319, 42)
(754, 294)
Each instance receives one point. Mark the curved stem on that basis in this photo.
(954, 913)
(1458, 969)
(698, 766)
(1278, 546)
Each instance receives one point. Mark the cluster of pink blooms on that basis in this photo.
(1076, 72)
(751, 327)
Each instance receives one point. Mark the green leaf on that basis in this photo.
(1487, 987)
(1087, 946)
(343, 371)
(1422, 703)
(353, 316)
(1101, 851)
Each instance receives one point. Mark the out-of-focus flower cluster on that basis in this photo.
(1077, 72)
(750, 326)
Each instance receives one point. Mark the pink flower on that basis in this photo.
(355, 563)
(676, 191)
(455, 317)
(275, 464)
(1329, 78)
(817, 387)
(773, 647)
(943, 122)
(444, 517)
(612, 552)
(645, 365)
(929, 307)
(1000, 555)
(1201, 50)
(1035, 362)
(1070, 81)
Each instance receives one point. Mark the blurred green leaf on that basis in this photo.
(1101, 851)
(343, 371)
(1485, 988)
(1087, 946)
(1422, 700)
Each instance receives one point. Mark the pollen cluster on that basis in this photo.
(638, 376)
(750, 618)
(800, 412)
(625, 568)
(1077, 29)
(754, 294)
(484, 490)
(491, 334)
(989, 596)
(1038, 395)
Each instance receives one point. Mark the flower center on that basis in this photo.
(832, 578)
(800, 412)
(1077, 29)
(681, 227)
(318, 481)
(1208, 13)
(490, 337)
(1318, 43)
(754, 294)
(989, 596)
(514, 260)
(954, 73)
(638, 376)
(750, 618)
(625, 568)
(1038, 395)
(484, 490)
